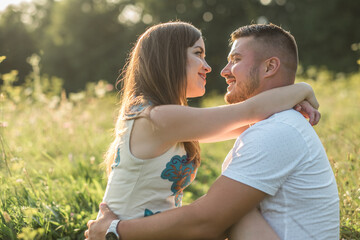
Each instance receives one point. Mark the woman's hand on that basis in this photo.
(97, 228)
(308, 111)
(310, 96)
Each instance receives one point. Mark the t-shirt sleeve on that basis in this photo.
(265, 155)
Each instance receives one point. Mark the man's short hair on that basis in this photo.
(275, 40)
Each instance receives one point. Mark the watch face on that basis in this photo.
(111, 236)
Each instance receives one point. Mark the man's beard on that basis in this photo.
(247, 90)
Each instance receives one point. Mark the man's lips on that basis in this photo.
(230, 80)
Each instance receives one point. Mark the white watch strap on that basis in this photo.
(112, 227)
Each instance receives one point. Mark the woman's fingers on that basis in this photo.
(309, 112)
(89, 223)
(297, 107)
(86, 234)
(317, 118)
(312, 117)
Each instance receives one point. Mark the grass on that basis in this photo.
(52, 147)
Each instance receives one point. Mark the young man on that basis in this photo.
(279, 163)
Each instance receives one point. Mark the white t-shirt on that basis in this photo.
(283, 157)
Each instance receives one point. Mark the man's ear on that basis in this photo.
(272, 65)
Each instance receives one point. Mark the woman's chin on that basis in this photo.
(199, 94)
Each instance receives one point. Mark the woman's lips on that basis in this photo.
(203, 76)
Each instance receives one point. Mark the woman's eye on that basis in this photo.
(198, 53)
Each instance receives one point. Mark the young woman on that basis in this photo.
(156, 154)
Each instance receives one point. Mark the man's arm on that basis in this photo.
(207, 218)
(253, 226)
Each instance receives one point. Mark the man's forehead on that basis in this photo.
(240, 46)
(235, 49)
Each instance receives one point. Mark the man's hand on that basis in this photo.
(97, 228)
(309, 112)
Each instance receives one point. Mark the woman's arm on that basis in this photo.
(225, 136)
(174, 123)
(304, 108)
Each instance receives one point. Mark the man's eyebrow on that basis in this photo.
(232, 55)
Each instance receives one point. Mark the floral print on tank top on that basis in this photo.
(181, 172)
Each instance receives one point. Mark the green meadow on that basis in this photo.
(52, 144)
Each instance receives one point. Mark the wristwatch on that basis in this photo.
(111, 233)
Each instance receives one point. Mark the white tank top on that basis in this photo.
(139, 188)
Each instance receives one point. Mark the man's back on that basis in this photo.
(283, 157)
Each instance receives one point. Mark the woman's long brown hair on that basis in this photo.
(156, 73)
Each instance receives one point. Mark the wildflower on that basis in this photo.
(2, 58)
(92, 160)
(109, 87)
(6, 217)
(4, 124)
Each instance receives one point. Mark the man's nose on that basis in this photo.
(225, 71)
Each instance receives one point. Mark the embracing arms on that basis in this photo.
(303, 107)
(175, 123)
(207, 218)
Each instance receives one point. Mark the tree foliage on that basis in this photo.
(84, 41)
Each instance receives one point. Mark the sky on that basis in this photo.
(5, 3)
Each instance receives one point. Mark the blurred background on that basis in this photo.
(60, 60)
(82, 41)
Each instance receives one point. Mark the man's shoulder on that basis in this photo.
(288, 129)
(281, 128)
(289, 119)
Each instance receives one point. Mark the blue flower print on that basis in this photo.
(136, 109)
(148, 212)
(181, 173)
(117, 159)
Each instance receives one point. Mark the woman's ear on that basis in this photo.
(272, 65)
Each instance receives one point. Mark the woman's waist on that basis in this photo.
(137, 208)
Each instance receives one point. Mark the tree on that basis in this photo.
(87, 40)
(16, 43)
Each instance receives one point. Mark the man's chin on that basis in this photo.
(230, 99)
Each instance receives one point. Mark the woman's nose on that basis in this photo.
(207, 67)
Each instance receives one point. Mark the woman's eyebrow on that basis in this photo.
(201, 48)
